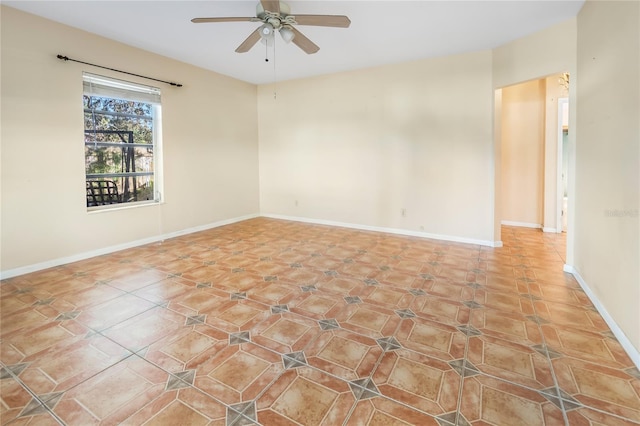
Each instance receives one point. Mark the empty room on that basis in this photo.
(320, 212)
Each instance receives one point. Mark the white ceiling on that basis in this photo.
(381, 32)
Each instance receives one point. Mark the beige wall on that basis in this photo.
(607, 226)
(523, 139)
(209, 137)
(358, 147)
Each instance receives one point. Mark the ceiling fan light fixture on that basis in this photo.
(266, 30)
(287, 34)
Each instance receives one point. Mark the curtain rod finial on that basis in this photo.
(64, 58)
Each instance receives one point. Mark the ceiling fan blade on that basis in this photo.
(224, 19)
(271, 5)
(249, 42)
(339, 21)
(303, 42)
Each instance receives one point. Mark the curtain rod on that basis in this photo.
(66, 58)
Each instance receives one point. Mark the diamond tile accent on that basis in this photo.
(609, 334)
(235, 270)
(552, 395)
(241, 414)
(238, 338)
(453, 418)
(44, 302)
(352, 299)
(371, 282)
(546, 351)
(328, 324)
(364, 388)
(35, 406)
(464, 368)
(238, 296)
(16, 369)
(417, 292)
(67, 316)
(308, 288)
(427, 276)
(331, 273)
(195, 319)
(538, 320)
(474, 285)
(180, 380)
(278, 309)
(469, 330)
(388, 343)
(296, 265)
(568, 401)
(347, 260)
(405, 313)
(203, 285)
(448, 419)
(270, 278)
(384, 268)
(471, 304)
(294, 360)
(632, 371)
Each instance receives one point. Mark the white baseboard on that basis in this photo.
(521, 224)
(552, 230)
(630, 349)
(388, 230)
(106, 250)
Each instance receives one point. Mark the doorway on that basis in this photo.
(563, 164)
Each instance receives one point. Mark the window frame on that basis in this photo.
(111, 88)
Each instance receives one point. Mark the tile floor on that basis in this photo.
(282, 323)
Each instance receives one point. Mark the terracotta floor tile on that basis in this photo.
(441, 310)
(382, 411)
(65, 366)
(14, 397)
(606, 389)
(277, 322)
(425, 383)
(510, 361)
(238, 373)
(510, 326)
(432, 338)
(490, 401)
(146, 328)
(569, 315)
(114, 394)
(165, 290)
(589, 346)
(285, 332)
(307, 397)
(343, 354)
(107, 314)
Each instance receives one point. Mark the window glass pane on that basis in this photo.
(119, 149)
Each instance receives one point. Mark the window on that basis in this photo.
(121, 142)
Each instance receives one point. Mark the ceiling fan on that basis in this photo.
(276, 16)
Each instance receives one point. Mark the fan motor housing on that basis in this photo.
(284, 10)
